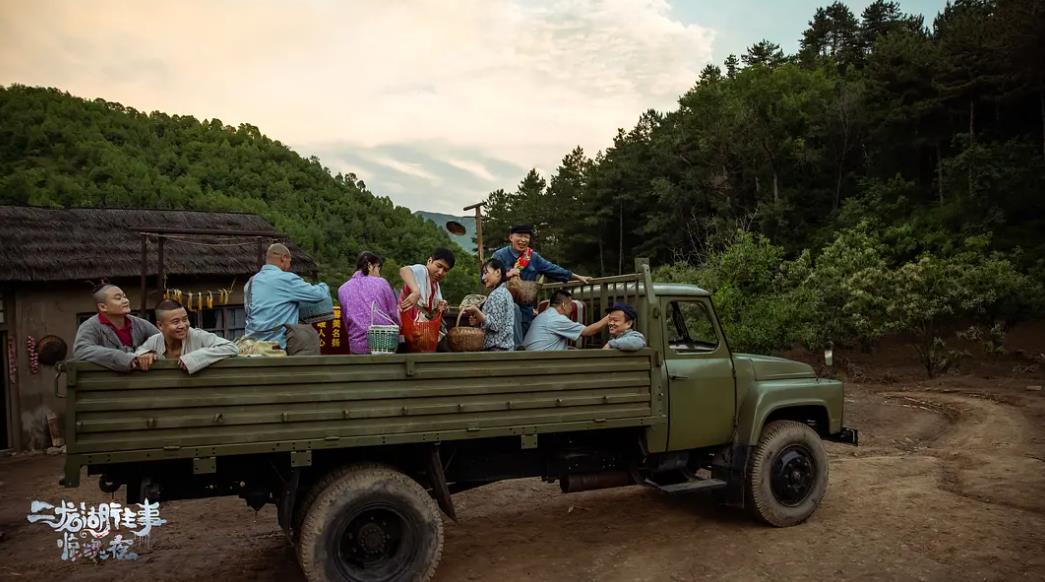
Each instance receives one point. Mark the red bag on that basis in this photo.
(422, 336)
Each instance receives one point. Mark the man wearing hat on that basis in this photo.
(623, 335)
(525, 263)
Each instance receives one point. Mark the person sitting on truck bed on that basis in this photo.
(523, 262)
(274, 294)
(498, 313)
(553, 328)
(194, 349)
(421, 285)
(110, 337)
(366, 299)
(623, 336)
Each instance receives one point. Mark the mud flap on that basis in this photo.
(287, 501)
(440, 491)
(737, 475)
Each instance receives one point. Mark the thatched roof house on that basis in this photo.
(46, 244)
(49, 259)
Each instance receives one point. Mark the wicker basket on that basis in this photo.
(465, 339)
(523, 292)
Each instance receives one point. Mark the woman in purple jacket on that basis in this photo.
(365, 293)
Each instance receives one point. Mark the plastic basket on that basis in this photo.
(422, 336)
(382, 338)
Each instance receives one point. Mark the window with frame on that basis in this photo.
(691, 329)
(228, 321)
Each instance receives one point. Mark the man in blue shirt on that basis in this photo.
(274, 296)
(623, 335)
(553, 329)
(529, 268)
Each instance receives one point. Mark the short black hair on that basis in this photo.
(559, 297)
(444, 254)
(496, 265)
(367, 258)
(167, 305)
(629, 312)
(98, 291)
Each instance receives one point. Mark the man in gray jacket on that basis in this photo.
(110, 337)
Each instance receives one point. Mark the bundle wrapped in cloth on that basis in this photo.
(316, 311)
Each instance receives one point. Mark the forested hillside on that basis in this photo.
(60, 150)
(804, 189)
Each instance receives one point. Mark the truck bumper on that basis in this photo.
(847, 435)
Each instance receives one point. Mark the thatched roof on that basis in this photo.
(45, 244)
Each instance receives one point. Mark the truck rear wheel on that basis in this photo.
(787, 474)
(370, 523)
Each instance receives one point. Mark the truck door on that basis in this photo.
(700, 374)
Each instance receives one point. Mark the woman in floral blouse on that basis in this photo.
(497, 315)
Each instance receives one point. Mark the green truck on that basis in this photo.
(362, 454)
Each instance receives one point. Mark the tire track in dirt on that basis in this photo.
(990, 452)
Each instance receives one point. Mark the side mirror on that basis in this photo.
(829, 357)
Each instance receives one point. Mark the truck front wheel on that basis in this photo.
(787, 474)
(370, 523)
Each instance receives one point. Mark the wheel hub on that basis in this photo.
(372, 538)
(793, 475)
(372, 543)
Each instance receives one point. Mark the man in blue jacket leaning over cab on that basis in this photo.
(523, 262)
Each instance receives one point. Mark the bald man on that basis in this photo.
(110, 337)
(274, 294)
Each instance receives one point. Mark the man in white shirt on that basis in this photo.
(553, 329)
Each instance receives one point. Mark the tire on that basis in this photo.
(787, 474)
(370, 523)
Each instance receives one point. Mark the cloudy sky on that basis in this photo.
(434, 103)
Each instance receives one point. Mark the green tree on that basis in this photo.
(763, 54)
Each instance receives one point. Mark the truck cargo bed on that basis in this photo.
(255, 405)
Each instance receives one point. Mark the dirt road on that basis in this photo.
(947, 485)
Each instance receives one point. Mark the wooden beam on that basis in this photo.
(210, 232)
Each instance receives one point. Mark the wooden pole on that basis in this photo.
(261, 253)
(161, 281)
(478, 229)
(145, 271)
